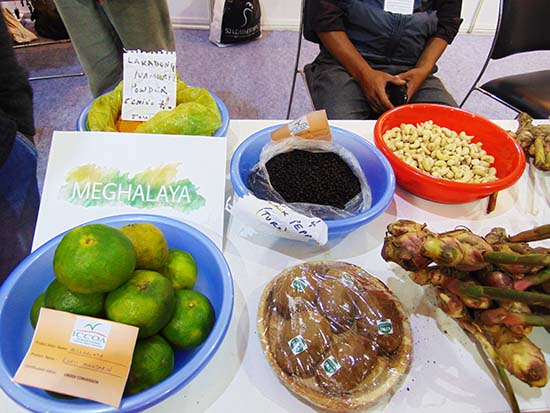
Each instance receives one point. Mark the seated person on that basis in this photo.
(364, 47)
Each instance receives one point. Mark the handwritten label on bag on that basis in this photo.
(79, 356)
(149, 84)
(278, 219)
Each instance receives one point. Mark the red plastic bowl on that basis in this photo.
(508, 154)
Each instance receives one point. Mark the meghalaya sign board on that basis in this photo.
(92, 175)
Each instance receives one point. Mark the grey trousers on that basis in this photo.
(333, 89)
(101, 33)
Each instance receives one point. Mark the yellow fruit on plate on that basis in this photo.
(150, 245)
(94, 258)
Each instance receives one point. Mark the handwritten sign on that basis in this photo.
(79, 356)
(149, 84)
(278, 219)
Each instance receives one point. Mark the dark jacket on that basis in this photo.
(330, 15)
(16, 109)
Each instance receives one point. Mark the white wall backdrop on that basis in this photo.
(284, 14)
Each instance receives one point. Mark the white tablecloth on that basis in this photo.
(448, 374)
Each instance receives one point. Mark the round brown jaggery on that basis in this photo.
(383, 372)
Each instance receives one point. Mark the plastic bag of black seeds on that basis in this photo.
(315, 178)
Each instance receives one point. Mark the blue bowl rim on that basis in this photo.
(339, 226)
(162, 390)
(222, 130)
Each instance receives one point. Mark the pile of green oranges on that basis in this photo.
(130, 275)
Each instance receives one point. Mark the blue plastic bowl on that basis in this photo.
(374, 164)
(34, 274)
(82, 120)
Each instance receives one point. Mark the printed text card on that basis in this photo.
(79, 356)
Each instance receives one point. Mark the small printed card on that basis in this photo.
(399, 6)
(79, 356)
(149, 84)
(313, 125)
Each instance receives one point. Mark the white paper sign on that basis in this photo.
(149, 84)
(92, 175)
(278, 219)
(399, 6)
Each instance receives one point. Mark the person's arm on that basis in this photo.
(373, 82)
(448, 13)
(435, 46)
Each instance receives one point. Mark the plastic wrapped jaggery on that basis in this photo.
(336, 336)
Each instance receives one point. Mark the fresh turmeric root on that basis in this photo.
(535, 141)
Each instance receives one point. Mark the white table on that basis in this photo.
(448, 374)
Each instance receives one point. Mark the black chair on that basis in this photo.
(305, 72)
(522, 27)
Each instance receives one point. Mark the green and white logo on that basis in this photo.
(90, 334)
(348, 280)
(331, 365)
(384, 327)
(297, 345)
(299, 284)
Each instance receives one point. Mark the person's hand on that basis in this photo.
(414, 79)
(373, 83)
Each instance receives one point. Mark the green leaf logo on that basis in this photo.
(384, 327)
(299, 284)
(330, 365)
(297, 345)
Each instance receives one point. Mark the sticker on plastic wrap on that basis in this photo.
(385, 326)
(297, 345)
(299, 284)
(330, 365)
(278, 219)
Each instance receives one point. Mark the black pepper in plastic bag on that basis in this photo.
(321, 178)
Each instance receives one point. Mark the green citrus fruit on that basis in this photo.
(60, 298)
(146, 301)
(181, 269)
(35, 308)
(94, 258)
(192, 321)
(152, 362)
(150, 245)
